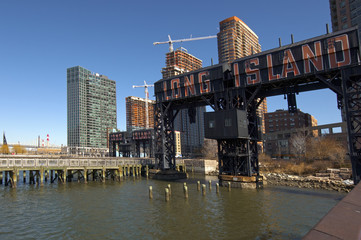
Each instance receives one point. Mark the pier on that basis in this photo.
(40, 169)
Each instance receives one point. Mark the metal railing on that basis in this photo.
(76, 162)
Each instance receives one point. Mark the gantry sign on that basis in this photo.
(328, 61)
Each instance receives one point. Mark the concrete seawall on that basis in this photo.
(203, 166)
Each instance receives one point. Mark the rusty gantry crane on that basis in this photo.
(235, 90)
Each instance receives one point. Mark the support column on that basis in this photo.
(1, 177)
(64, 174)
(14, 180)
(94, 174)
(85, 175)
(103, 175)
(24, 176)
(6, 178)
(41, 176)
(37, 176)
(119, 173)
(31, 177)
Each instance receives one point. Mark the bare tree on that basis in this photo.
(298, 143)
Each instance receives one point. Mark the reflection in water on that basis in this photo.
(123, 210)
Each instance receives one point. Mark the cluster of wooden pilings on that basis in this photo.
(168, 190)
(11, 176)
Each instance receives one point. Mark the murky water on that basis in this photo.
(123, 210)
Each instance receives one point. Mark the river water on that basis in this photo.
(114, 210)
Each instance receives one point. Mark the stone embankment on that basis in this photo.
(334, 179)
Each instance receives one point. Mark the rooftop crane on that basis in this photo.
(170, 41)
(146, 100)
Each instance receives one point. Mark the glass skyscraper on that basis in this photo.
(91, 104)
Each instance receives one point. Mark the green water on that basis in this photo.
(114, 210)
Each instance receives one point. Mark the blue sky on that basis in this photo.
(40, 39)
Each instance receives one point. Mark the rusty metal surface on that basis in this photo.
(343, 221)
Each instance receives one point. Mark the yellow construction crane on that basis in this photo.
(146, 100)
(170, 41)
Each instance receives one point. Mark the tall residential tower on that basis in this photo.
(237, 40)
(191, 129)
(136, 113)
(345, 14)
(91, 100)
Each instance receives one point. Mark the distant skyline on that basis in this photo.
(41, 39)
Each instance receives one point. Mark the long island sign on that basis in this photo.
(317, 55)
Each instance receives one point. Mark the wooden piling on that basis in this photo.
(24, 176)
(41, 176)
(150, 192)
(128, 170)
(170, 190)
(229, 186)
(31, 177)
(146, 171)
(14, 179)
(11, 178)
(166, 191)
(103, 175)
(198, 185)
(85, 175)
(203, 189)
(120, 172)
(46, 175)
(64, 174)
(210, 184)
(185, 189)
(6, 179)
(51, 174)
(37, 177)
(217, 187)
(1, 177)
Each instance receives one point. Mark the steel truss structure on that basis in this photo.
(329, 61)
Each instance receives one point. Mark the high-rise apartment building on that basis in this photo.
(345, 14)
(91, 104)
(236, 40)
(340, 14)
(179, 62)
(136, 113)
(355, 8)
(191, 132)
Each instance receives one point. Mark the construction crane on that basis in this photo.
(170, 41)
(145, 86)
